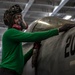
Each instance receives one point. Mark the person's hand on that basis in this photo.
(25, 25)
(37, 45)
(66, 27)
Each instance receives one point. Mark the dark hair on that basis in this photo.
(8, 15)
(15, 9)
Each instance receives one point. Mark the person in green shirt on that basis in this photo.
(13, 60)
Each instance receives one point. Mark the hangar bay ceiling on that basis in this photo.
(35, 9)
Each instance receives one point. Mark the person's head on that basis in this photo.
(12, 15)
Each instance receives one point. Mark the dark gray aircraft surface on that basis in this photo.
(57, 54)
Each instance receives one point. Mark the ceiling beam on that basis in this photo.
(27, 6)
(57, 8)
(8, 2)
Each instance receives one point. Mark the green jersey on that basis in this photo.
(12, 55)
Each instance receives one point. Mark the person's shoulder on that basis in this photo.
(11, 31)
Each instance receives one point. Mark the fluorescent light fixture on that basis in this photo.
(72, 19)
(67, 17)
(55, 8)
(26, 4)
(50, 14)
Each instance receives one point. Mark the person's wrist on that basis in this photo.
(25, 24)
(59, 29)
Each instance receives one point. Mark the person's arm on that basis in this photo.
(66, 27)
(28, 55)
(20, 36)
